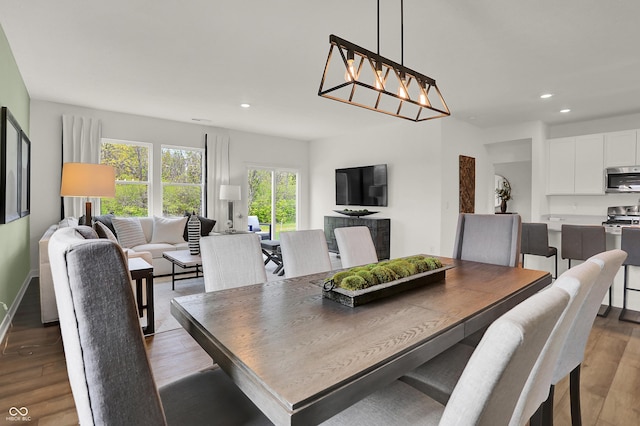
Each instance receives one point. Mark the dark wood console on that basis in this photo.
(380, 232)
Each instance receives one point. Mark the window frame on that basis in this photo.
(202, 175)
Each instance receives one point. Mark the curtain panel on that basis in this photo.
(217, 174)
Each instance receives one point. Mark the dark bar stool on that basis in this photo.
(535, 241)
(631, 244)
(580, 242)
(271, 249)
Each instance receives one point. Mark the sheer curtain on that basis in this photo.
(80, 144)
(217, 174)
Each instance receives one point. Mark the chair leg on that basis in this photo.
(547, 408)
(556, 257)
(574, 392)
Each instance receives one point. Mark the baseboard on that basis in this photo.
(6, 322)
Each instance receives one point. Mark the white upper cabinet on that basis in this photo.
(576, 165)
(620, 149)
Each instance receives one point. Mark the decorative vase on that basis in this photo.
(503, 206)
(193, 231)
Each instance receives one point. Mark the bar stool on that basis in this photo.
(535, 241)
(631, 244)
(580, 242)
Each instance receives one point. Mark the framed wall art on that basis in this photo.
(15, 165)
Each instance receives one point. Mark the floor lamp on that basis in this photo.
(88, 180)
(230, 193)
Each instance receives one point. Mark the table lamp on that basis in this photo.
(230, 193)
(88, 180)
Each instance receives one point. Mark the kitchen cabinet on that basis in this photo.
(621, 149)
(575, 165)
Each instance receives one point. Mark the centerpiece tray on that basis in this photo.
(355, 298)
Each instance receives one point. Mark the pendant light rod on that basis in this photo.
(378, 27)
(402, 32)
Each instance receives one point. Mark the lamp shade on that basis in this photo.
(88, 180)
(230, 192)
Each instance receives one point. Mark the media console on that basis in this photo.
(380, 232)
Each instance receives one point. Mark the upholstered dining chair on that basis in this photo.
(231, 260)
(355, 246)
(304, 252)
(488, 238)
(535, 241)
(111, 379)
(572, 353)
(438, 377)
(491, 383)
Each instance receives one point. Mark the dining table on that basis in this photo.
(302, 358)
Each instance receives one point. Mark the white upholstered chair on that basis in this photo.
(304, 252)
(111, 379)
(230, 261)
(488, 389)
(355, 246)
(572, 353)
(488, 238)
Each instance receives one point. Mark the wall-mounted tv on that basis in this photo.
(362, 186)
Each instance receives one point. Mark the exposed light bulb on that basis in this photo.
(378, 84)
(401, 88)
(350, 73)
(423, 98)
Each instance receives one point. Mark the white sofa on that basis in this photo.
(150, 251)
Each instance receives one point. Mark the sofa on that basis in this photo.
(137, 239)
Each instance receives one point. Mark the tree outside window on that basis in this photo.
(182, 180)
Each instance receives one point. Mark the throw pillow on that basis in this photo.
(70, 222)
(103, 231)
(206, 226)
(129, 231)
(168, 230)
(105, 218)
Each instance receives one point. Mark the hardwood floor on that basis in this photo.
(33, 372)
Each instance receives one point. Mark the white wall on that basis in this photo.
(46, 135)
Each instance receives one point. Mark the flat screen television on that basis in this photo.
(362, 186)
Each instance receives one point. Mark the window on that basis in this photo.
(132, 162)
(182, 180)
(273, 197)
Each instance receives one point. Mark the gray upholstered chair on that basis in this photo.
(304, 252)
(488, 238)
(254, 225)
(580, 242)
(572, 353)
(629, 243)
(488, 389)
(535, 241)
(438, 377)
(231, 260)
(109, 372)
(355, 246)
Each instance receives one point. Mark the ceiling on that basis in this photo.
(201, 59)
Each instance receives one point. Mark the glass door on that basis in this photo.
(273, 198)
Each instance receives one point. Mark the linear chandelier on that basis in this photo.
(363, 78)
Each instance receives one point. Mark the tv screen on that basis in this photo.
(362, 186)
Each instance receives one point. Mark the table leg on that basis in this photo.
(150, 328)
(139, 296)
(173, 276)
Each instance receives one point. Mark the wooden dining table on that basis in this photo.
(302, 358)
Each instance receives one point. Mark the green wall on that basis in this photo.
(14, 236)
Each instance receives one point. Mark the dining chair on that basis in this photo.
(630, 243)
(304, 252)
(438, 377)
(488, 238)
(572, 353)
(355, 246)
(109, 372)
(535, 241)
(491, 383)
(580, 242)
(231, 260)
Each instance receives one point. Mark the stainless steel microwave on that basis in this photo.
(622, 179)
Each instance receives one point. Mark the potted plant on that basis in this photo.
(504, 193)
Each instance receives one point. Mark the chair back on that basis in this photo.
(355, 246)
(577, 282)
(580, 242)
(304, 252)
(488, 390)
(535, 239)
(107, 363)
(230, 261)
(488, 238)
(572, 353)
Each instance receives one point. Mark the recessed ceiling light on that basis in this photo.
(245, 105)
(564, 111)
(546, 95)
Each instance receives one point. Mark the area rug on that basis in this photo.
(163, 295)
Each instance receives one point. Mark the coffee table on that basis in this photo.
(142, 270)
(183, 259)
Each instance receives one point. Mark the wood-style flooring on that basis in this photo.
(33, 372)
